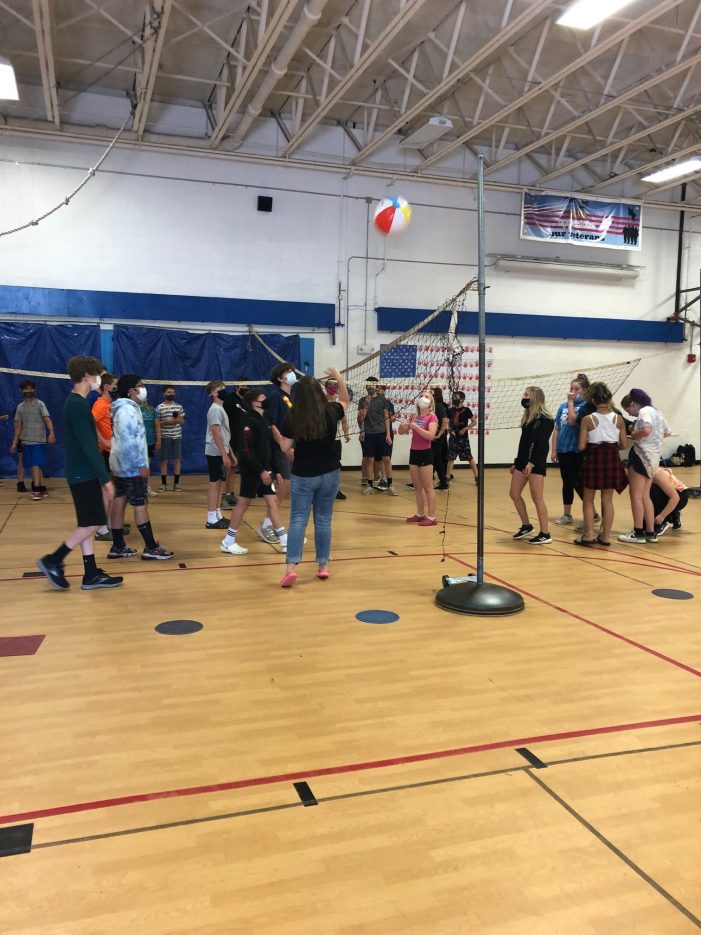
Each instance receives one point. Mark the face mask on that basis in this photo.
(423, 402)
(95, 383)
(29, 394)
(264, 403)
(290, 378)
(331, 390)
(579, 398)
(141, 394)
(526, 403)
(220, 394)
(169, 397)
(371, 390)
(113, 393)
(456, 402)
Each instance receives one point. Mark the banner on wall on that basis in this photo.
(616, 225)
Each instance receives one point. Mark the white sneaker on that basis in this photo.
(564, 520)
(391, 492)
(283, 542)
(367, 490)
(151, 493)
(632, 538)
(233, 549)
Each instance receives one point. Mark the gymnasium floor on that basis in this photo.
(531, 774)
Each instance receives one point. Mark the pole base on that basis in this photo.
(480, 600)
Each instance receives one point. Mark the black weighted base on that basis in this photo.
(480, 600)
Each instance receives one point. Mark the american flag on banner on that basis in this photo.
(410, 367)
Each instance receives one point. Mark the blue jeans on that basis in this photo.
(319, 494)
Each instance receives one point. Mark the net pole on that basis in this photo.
(481, 389)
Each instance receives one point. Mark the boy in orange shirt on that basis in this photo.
(103, 422)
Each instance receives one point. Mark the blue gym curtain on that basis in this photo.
(173, 354)
(40, 347)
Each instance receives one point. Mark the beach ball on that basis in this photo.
(392, 215)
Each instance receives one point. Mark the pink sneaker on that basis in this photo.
(428, 522)
(288, 579)
(415, 518)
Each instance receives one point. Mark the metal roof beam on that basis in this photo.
(43, 28)
(155, 23)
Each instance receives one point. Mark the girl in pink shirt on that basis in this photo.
(422, 427)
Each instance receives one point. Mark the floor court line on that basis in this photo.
(308, 774)
(590, 623)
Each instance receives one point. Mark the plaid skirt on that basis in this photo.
(602, 468)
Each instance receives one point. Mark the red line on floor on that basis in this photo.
(590, 623)
(340, 770)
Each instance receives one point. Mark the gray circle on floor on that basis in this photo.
(178, 627)
(673, 595)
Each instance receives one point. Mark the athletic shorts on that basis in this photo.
(281, 463)
(421, 457)
(215, 464)
(89, 505)
(634, 463)
(34, 455)
(252, 486)
(171, 448)
(539, 468)
(375, 445)
(135, 489)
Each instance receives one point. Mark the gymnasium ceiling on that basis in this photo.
(547, 106)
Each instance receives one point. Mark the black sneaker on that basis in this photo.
(54, 572)
(651, 537)
(101, 580)
(21, 487)
(220, 524)
(122, 551)
(523, 532)
(157, 554)
(103, 536)
(543, 538)
(442, 487)
(341, 496)
(677, 524)
(230, 498)
(661, 528)
(410, 485)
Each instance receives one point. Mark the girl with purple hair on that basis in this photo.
(648, 434)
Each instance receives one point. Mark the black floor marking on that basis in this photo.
(182, 565)
(615, 850)
(392, 553)
(305, 794)
(17, 839)
(8, 517)
(421, 784)
(532, 758)
(33, 574)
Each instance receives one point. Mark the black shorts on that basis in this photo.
(375, 445)
(252, 486)
(135, 489)
(635, 464)
(281, 463)
(89, 505)
(538, 468)
(421, 457)
(215, 464)
(151, 450)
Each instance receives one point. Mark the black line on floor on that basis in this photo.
(306, 796)
(392, 553)
(8, 517)
(603, 756)
(615, 850)
(534, 760)
(182, 565)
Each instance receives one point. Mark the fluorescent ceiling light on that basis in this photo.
(429, 133)
(587, 13)
(8, 83)
(675, 171)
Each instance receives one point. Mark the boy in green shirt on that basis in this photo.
(88, 479)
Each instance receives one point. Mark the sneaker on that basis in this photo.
(632, 538)
(523, 532)
(36, 495)
(597, 518)
(391, 492)
(177, 488)
(415, 518)
(662, 528)
(268, 534)
(21, 487)
(220, 524)
(43, 493)
(410, 485)
(382, 485)
(341, 496)
(54, 572)
(151, 492)
(158, 553)
(234, 549)
(427, 522)
(103, 536)
(230, 498)
(121, 552)
(442, 487)
(543, 538)
(163, 488)
(677, 524)
(564, 520)
(101, 580)
(367, 490)
(651, 537)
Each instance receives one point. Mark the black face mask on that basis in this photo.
(114, 393)
(457, 403)
(265, 404)
(221, 394)
(169, 398)
(526, 403)
(29, 394)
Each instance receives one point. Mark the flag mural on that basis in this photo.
(569, 219)
(408, 368)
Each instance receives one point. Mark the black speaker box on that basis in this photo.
(265, 203)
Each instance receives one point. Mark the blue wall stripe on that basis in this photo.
(135, 306)
(525, 325)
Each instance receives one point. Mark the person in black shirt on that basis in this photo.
(255, 454)
(311, 427)
(440, 442)
(460, 421)
(235, 408)
(529, 466)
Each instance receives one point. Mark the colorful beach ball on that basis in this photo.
(392, 215)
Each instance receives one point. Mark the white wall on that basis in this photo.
(153, 222)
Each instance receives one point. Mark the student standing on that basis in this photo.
(375, 438)
(33, 429)
(152, 424)
(564, 444)
(218, 452)
(602, 436)
(440, 442)
(88, 480)
(331, 387)
(171, 418)
(101, 412)
(279, 396)
(529, 466)
(460, 421)
(422, 427)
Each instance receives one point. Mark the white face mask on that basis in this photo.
(290, 378)
(141, 394)
(95, 383)
(423, 402)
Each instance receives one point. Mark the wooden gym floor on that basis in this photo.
(539, 773)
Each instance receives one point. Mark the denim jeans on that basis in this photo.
(307, 493)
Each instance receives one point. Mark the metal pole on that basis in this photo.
(481, 391)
